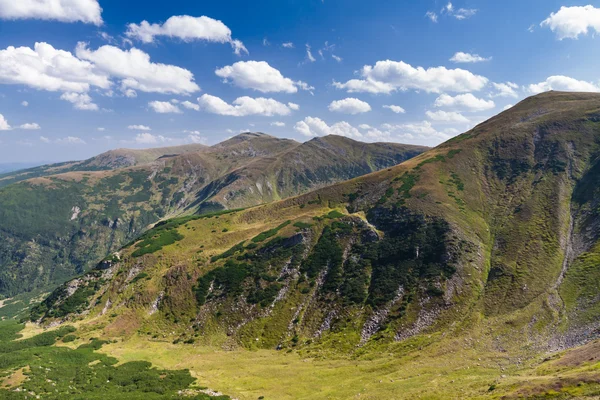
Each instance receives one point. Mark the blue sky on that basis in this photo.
(405, 71)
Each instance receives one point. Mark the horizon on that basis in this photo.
(107, 75)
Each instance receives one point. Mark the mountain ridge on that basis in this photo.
(66, 223)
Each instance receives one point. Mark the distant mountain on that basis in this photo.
(55, 226)
(493, 234)
(113, 159)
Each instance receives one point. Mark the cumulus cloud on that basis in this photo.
(191, 106)
(349, 105)
(25, 103)
(81, 101)
(278, 124)
(389, 76)
(164, 107)
(461, 57)
(447, 116)
(565, 83)
(244, 106)
(570, 22)
(87, 11)
(46, 68)
(464, 101)
(4, 126)
(188, 29)
(396, 109)
(312, 127)
(139, 128)
(507, 89)
(260, 76)
(30, 126)
(195, 137)
(137, 72)
(44, 139)
(508, 106)
(148, 138)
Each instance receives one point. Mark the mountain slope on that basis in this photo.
(494, 231)
(55, 227)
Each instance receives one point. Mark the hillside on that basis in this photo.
(57, 226)
(487, 243)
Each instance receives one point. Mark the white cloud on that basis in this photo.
(446, 116)
(70, 140)
(278, 124)
(460, 14)
(195, 137)
(507, 89)
(139, 128)
(130, 93)
(148, 138)
(389, 76)
(288, 45)
(508, 106)
(364, 126)
(464, 101)
(293, 106)
(336, 58)
(461, 57)
(46, 68)
(4, 126)
(87, 11)
(309, 56)
(420, 132)
(311, 127)
(243, 106)
(191, 106)
(396, 109)
(81, 101)
(570, 22)
(349, 105)
(101, 129)
(137, 72)
(565, 83)
(164, 107)
(44, 139)
(260, 76)
(188, 29)
(25, 103)
(30, 126)
(432, 16)
(464, 13)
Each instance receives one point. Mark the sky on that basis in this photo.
(80, 77)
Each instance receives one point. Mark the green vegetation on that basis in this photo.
(303, 225)
(155, 240)
(57, 373)
(270, 233)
